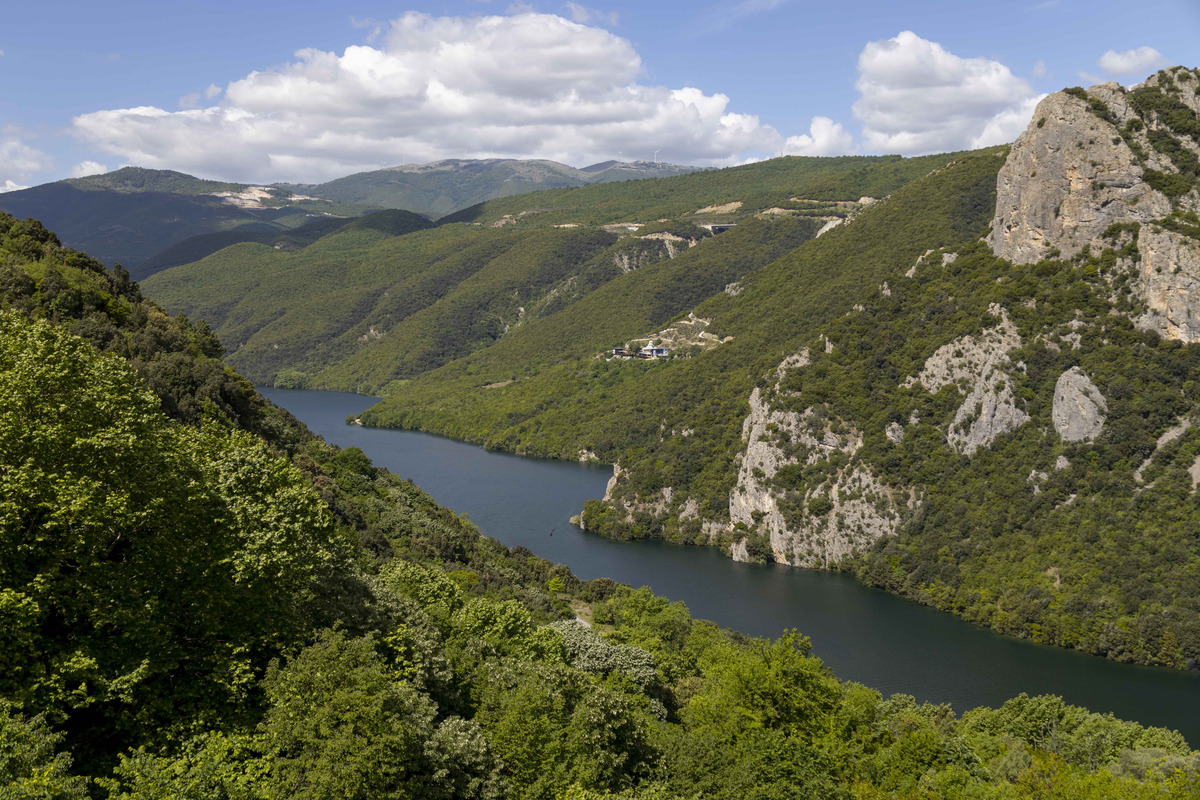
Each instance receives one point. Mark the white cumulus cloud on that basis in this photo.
(915, 97)
(527, 85)
(1139, 61)
(824, 138)
(85, 168)
(19, 161)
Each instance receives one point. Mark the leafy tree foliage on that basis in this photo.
(226, 607)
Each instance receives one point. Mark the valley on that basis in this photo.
(925, 390)
(859, 367)
(862, 634)
(478, 401)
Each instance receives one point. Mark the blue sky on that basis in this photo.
(306, 91)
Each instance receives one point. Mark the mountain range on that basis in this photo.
(443, 187)
(148, 220)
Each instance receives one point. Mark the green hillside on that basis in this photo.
(357, 312)
(619, 409)
(130, 215)
(451, 289)
(195, 248)
(201, 599)
(444, 187)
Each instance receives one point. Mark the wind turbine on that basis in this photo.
(656, 152)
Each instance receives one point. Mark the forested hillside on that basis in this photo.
(130, 215)
(443, 187)
(200, 599)
(358, 312)
(1004, 428)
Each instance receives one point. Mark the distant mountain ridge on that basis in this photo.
(443, 187)
(134, 216)
(139, 179)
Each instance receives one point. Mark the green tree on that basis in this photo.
(341, 725)
(31, 768)
(147, 571)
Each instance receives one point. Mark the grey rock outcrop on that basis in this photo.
(860, 508)
(1170, 284)
(1079, 409)
(977, 366)
(1073, 173)
(1064, 181)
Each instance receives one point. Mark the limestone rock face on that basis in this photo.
(977, 366)
(1079, 409)
(1065, 180)
(1072, 174)
(860, 509)
(1170, 285)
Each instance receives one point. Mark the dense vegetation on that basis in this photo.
(678, 424)
(200, 599)
(1086, 545)
(372, 306)
(444, 187)
(395, 223)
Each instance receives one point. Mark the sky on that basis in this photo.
(261, 91)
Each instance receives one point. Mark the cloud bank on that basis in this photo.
(1139, 61)
(915, 97)
(529, 86)
(824, 138)
(18, 161)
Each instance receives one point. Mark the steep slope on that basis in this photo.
(358, 313)
(448, 290)
(195, 248)
(443, 187)
(1008, 435)
(129, 215)
(204, 600)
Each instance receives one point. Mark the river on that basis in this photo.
(863, 634)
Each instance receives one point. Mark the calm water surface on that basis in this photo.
(863, 634)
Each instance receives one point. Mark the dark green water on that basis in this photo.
(863, 634)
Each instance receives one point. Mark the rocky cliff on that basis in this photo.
(806, 523)
(1094, 162)
(979, 368)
